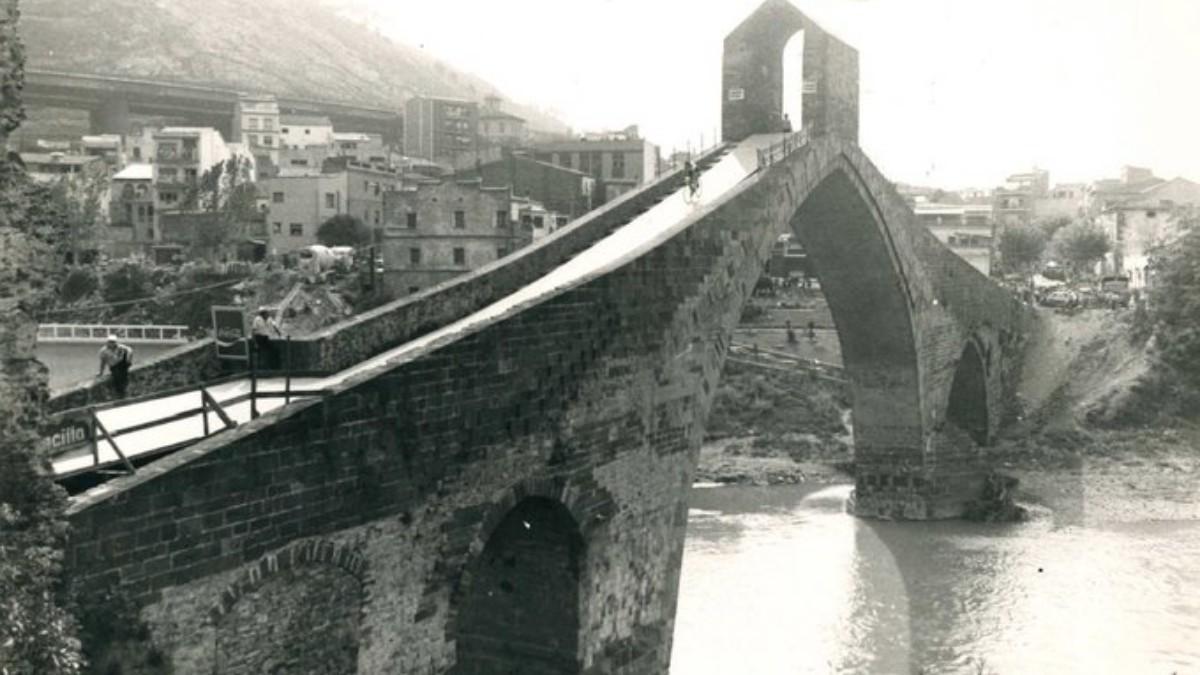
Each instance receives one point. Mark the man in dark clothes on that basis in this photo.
(117, 358)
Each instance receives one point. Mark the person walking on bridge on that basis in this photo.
(263, 329)
(117, 358)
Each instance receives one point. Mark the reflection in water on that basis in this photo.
(781, 580)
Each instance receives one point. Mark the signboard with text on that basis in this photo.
(66, 432)
(231, 333)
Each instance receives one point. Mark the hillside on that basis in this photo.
(289, 47)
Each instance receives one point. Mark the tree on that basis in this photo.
(1050, 226)
(1174, 303)
(36, 634)
(225, 191)
(344, 230)
(1021, 248)
(1080, 245)
(81, 201)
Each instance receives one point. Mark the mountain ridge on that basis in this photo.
(300, 48)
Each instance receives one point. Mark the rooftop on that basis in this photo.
(136, 172)
(499, 115)
(57, 158)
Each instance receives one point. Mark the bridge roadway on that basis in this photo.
(645, 232)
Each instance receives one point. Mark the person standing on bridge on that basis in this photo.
(117, 358)
(263, 329)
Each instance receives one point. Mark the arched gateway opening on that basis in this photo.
(520, 610)
(968, 407)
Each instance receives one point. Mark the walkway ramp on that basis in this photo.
(125, 434)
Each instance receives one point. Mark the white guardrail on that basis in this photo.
(69, 332)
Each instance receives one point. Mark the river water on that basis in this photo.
(782, 580)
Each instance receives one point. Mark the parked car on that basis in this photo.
(1060, 298)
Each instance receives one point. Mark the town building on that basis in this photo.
(1064, 200)
(440, 129)
(49, 167)
(256, 122)
(498, 128)
(108, 147)
(299, 200)
(437, 230)
(1105, 193)
(365, 148)
(1015, 202)
(181, 156)
(566, 191)
(966, 229)
(132, 211)
(1142, 221)
(365, 186)
(302, 131)
(619, 162)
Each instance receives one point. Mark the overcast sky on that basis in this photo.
(955, 93)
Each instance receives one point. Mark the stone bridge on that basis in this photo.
(513, 498)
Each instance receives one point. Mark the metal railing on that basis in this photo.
(67, 332)
(777, 151)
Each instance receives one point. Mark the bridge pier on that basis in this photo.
(110, 117)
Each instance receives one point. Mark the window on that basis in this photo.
(560, 221)
(460, 256)
(500, 252)
(141, 212)
(376, 188)
(410, 219)
(296, 229)
(539, 222)
(330, 200)
(284, 130)
(189, 175)
(150, 211)
(268, 124)
(618, 165)
(169, 197)
(252, 122)
(128, 214)
(137, 153)
(267, 140)
(277, 228)
(460, 220)
(585, 162)
(149, 232)
(413, 289)
(307, 132)
(168, 175)
(502, 219)
(376, 219)
(414, 256)
(277, 197)
(1151, 214)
